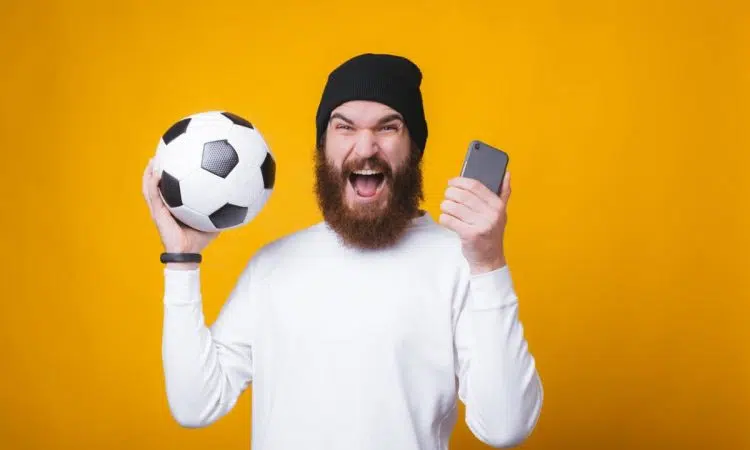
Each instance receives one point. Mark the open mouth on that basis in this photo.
(367, 183)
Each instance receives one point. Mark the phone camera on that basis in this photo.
(477, 146)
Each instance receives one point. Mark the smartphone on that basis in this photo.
(486, 164)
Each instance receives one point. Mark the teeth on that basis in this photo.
(366, 172)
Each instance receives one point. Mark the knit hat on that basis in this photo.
(388, 79)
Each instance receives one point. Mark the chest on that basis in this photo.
(354, 315)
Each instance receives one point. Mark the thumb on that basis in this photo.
(505, 190)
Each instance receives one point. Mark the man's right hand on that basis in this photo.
(175, 237)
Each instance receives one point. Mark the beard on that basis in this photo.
(370, 226)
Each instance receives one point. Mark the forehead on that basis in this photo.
(364, 111)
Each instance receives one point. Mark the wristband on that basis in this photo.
(180, 257)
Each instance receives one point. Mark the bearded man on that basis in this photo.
(363, 331)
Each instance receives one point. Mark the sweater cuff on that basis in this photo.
(182, 287)
(491, 290)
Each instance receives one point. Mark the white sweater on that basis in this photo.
(353, 350)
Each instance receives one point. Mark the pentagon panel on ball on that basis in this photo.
(215, 170)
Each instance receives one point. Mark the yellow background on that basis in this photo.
(627, 128)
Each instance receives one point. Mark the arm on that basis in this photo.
(498, 381)
(206, 369)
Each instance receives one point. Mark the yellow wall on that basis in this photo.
(626, 123)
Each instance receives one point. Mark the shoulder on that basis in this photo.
(310, 235)
(278, 250)
(435, 237)
(436, 249)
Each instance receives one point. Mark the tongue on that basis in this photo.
(366, 185)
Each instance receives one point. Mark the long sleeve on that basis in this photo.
(206, 369)
(498, 380)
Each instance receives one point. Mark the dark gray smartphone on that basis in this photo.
(486, 164)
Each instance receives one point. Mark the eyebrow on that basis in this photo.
(385, 119)
(342, 117)
(389, 118)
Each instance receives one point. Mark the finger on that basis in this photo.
(477, 188)
(145, 186)
(153, 188)
(455, 224)
(462, 213)
(161, 213)
(144, 179)
(505, 190)
(467, 198)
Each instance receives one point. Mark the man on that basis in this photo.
(362, 331)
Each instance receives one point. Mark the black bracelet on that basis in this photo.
(180, 257)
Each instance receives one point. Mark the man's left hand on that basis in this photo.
(478, 216)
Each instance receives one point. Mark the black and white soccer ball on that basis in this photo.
(216, 171)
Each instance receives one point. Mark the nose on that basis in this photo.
(366, 145)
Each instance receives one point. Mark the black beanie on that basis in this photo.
(388, 79)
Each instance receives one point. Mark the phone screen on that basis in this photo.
(486, 164)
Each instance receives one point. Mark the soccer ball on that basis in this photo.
(216, 171)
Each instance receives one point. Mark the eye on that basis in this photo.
(343, 126)
(390, 127)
